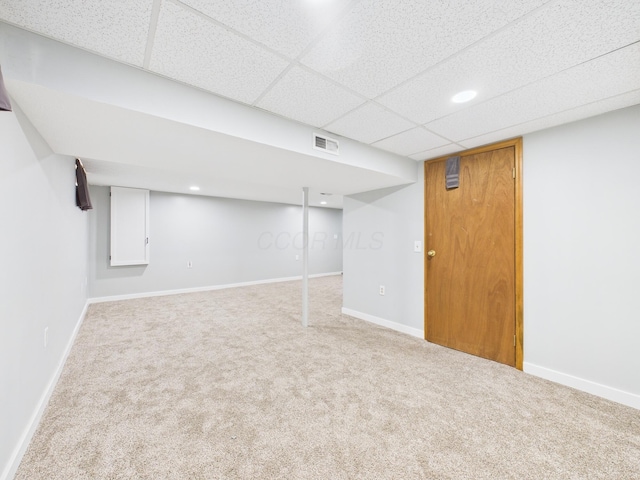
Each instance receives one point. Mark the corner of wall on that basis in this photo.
(30, 429)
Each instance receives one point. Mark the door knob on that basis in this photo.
(431, 253)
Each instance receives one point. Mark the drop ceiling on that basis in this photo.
(378, 72)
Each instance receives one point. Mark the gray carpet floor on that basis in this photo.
(227, 385)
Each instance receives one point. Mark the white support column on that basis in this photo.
(305, 256)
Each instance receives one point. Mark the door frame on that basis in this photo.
(516, 143)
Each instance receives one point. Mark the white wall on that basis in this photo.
(380, 228)
(43, 258)
(228, 241)
(582, 254)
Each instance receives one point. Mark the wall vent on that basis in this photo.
(326, 144)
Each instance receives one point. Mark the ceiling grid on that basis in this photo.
(381, 72)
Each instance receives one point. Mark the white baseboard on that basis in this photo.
(20, 449)
(161, 293)
(399, 327)
(610, 393)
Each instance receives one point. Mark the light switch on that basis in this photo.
(417, 246)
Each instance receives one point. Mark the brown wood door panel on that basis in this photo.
(470, 282)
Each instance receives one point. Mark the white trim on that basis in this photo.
(25, 439)
(604, 391)
(399, 327)
(161, 293)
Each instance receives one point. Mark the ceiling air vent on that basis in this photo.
(325, 144)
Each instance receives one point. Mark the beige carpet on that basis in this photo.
(227, 384)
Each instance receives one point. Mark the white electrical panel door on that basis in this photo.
(129, 226)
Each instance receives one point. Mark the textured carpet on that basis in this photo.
(227, 384)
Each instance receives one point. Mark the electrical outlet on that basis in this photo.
(189, 264)
(46, 336)
(381, 289)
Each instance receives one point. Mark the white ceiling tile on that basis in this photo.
(369, 124)
(194, 50)
(415, 140)
(287, 27)
(556, 37)
(381, 43)
(604, 77)
(437, 152)
(114, 29)
(308, 98)
(578, 113)
(530, 61)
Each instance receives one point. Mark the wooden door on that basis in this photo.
(471, 279)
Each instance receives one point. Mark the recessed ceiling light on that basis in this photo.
(194, 188)
(323, 203)
(464, 96)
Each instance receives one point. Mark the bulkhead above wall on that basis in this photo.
(134, 128)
